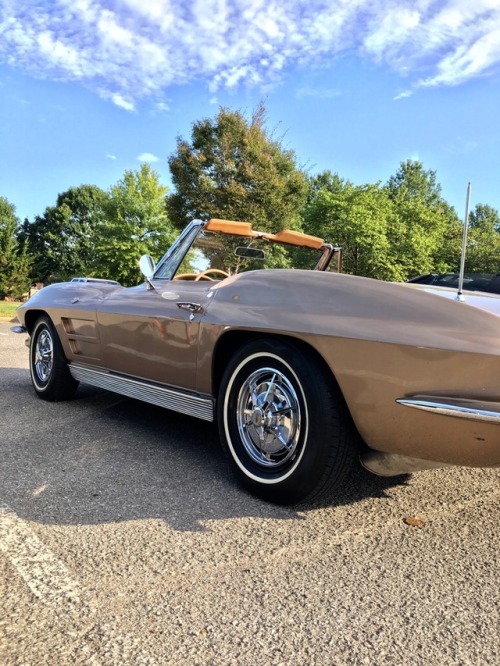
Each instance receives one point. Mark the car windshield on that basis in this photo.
(223, 254)
(235, 254)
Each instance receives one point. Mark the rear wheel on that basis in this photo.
(284, 424)
(49, 371)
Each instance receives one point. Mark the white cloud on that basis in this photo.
(110, 156)
(120, 101)
(321, 93)
(403, 95)
(161, 107)
(132, 49)
(148, 157)
(390, 31)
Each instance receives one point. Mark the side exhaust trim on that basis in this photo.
(394, 464)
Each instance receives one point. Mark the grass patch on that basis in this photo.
(8, 309)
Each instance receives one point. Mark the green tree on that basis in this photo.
(413, 182)
(390, 232)
(483, 247)
(63, 239)
(135, 223)
(357, 218)
(234, 169)
(425, 232)
(484, 217)
(14, 259)
(324, 181)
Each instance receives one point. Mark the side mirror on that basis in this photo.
(147, 266)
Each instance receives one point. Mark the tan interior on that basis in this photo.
(286, 236)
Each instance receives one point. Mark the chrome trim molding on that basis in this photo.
(18, 329)
(474, 410)
(155, 394)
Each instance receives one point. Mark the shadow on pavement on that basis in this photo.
(103, 458)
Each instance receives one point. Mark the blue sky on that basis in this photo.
(90, 88)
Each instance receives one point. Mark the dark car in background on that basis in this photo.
(472, 281)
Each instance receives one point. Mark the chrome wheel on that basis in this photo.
(49, 371)
(268, 418)
(283, 423)
(44, 356)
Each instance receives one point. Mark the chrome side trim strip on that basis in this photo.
(155, 394)
(474, 410)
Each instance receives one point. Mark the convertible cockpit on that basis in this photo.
(217, 249)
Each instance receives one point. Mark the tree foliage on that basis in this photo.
(484, 217)
(390, 232)
(426, 234)
(62, 240)
(483, 251)
(411, 181)
(90, 232)
(14, 259)
(234, 169)
(135, 223)
(355, 217)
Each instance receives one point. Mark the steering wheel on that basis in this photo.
(203, 274)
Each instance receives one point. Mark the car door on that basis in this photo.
(153, 333)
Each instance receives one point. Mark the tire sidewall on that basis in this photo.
(314, 471)
(247, 467)
(41, 387)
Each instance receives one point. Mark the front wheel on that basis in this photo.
(284, 424)
(49, 371)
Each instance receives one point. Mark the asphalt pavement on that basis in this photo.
(125, 540)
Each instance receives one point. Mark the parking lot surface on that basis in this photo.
(124, 540)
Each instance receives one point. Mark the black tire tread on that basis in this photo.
(340, 458)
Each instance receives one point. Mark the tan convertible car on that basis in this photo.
(303, 368)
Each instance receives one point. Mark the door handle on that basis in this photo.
(190, 307)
